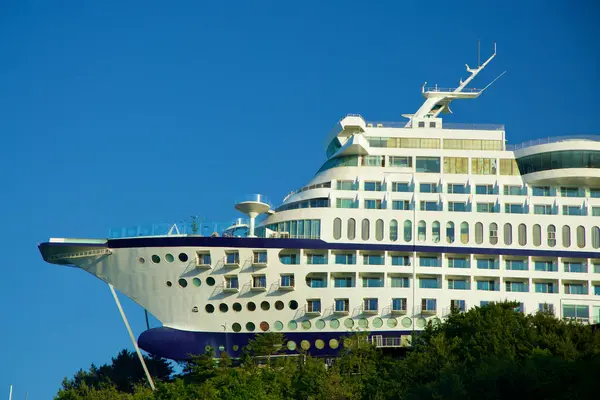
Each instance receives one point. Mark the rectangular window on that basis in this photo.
(373, 161)
(400, 282)
(508, 166)
(231, 282)
(287, 280)
(490, 286)
(573, 210)
(429, 283)
(342, 305)
(429, 206)
(595, 211)
(289, 259)
(373, 186)
(458, 262)
(542, 209)
(545, 287)
(399, 304)
(485, 189)
(372, 204)
(316, 282)
(373, 259)
(459, 284)
(428, 164)
(596, 290)
(403, 187)
(203, 258)
(428, 188)
(372, 282)
(514, 209)
(472, 144)
(401, 260)
(455, 188)
(259, 281)
(370, 304)
(487, 263)
(429, 261)
(232, 258)
(400, 162)
(313, 306)
(543, 191)
(347, 185)
(516, 265)
(548, 266)
(571, 192)
(259, 257)
(595, 193)
(316, 259)
(457, 206)
(428, 304)
(400, 205)
(345, 259)
(486, 207)
(545, 307)
(346, 203)
(520, 287)
(512, 190)
(576, 288)
(575, 267)
(459, 305)
(576, 311)
(343, 282)
(456, 165)
(484, 166)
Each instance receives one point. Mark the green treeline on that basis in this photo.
(490, 352)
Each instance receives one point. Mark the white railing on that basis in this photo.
(79, 254)
(552, 139)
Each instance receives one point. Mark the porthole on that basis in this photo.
(363, 323)
(209, 308)
(169, 257)
(183, 257)
(392, 323)
(210, 281)
(237, 307)
(406, 322)
(279, 305)
(264, 326)
(223, 307)
(319, 344)
(293, 304)
(348, 323)
(169, 284)
(141, 260)
(182, 282)
(155, 259)
(347, 342)
(196, 282)
(292, 325)
(265, 305)
(250, 327)
(251, 306)
(334, 343)
(320, 324)
(421, 322)
(377, 323)
(235, 347)
(291, 345)
(236, 327)
(305, 344)
(334, 323)
(306, 324)
(278, 325)
(221, 348)
(195, 309)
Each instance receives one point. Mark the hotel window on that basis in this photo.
(483, 166)
(548, 266)
(450, 232)
(596, 290)
(289, 259)
(371, 304)
(595, 237)
(429, 188)
(514, 209)
(485, 189)
(459, 305)
(509, 167)
(457, 206)
(401, 260)
(287, 280)
(580, 236)
(578, 267)
(490, 286)
(422, 231)
(456, 165)
(522, 234)
(429, 305)
(407, 230)
(435, 231)
(479, 233)
(232, 258)
(487, 263)
(512, 190)
(428, 206)
(403, 187)
(400, 282)
(316, 259)
(399, 304)
(456, 188)
(351, 229)
(428, 164)
(313, 306)
(595, 193)
(464, 233)
(486, 207)
(545, 287)
(393, 230)
(401, 162)
(316, 282)
(573, 210)
(373, 161)
(566, 236)
(458, 262)
(507, 234)
(400, 205)
(516, 265)
(365, 229)
(372, 204)
(342, 305)
(375, 282)
(346, 203)
(427, 261)
(576, 288)
(493, 233)
(459, 284)
(259, 281)
(520, 287)
(595, 211)
(231, 282)
(373, 186)
(373, 259)
(544, 191)
(429, 283)
(537, 235)
(545, 307)
(576, 311)
(347, 185)
(343, 282)
(472, 144)
(345, 259)
(202, 258)
(542, 209)
(551, 235)
(259, 257)
(571, 192)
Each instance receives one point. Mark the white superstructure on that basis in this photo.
(402, 223)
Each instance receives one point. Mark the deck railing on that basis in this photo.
(552, 139)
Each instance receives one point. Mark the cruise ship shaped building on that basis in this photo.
(402, 224)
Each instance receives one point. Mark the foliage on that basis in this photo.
(491, 352)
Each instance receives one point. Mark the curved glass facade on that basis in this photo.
(559, 159)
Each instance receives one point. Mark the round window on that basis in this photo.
(264, 326)
(183, 257)
(141, 260)
(169, 284)
(155, 259)
(278, 325)
(305, 344)
(320, 324)
(223, 307)
(250, 327)
(334, 343)
(292, 325)
(210, 281)
(334, 323)
(236, 327)
(182, 282)
(265, 305)
(196, 282)
(319, 344)
(291, 345)
(251, 306)
(293, 304)
(392, 323)
(377, 323)
(348, 323)
(209, 308)
(279, 305)
(237, 307)
(306, 324)
(169, 258)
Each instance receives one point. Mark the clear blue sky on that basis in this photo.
(116, 114)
